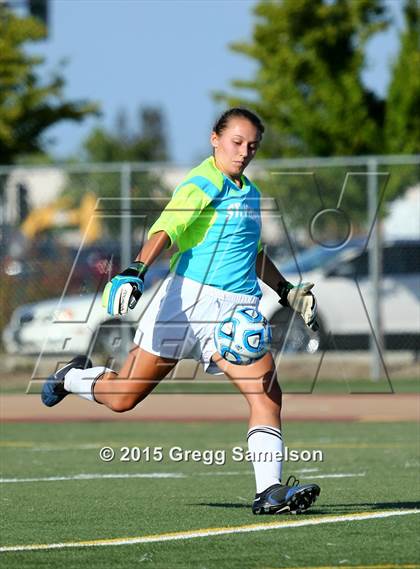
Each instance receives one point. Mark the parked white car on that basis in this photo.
(344, 294)
(75, 324)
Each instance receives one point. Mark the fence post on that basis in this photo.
(374, 271)
(3, 221)
(125, 239)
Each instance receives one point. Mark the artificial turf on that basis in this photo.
(381, 460)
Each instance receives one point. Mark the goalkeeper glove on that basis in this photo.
(124, 290)
(301, 300)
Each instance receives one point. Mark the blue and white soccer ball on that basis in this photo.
(244, 337)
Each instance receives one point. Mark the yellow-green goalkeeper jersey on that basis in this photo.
(216, 227)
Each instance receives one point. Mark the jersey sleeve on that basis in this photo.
(186, 204)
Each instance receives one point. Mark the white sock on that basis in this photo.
(80, 381)
(266, 445)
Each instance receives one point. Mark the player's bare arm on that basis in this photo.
(298, 297)
(268, 272)
(153, 247)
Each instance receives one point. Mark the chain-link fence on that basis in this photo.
(351, 225)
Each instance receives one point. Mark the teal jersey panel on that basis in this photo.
(219, 236)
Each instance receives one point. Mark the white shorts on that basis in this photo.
(179, 322)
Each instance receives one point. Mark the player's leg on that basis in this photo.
(147, 364)
(140, 374)
(258, 383)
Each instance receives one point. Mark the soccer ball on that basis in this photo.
(244, 337)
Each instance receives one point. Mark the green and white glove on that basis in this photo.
(300, 299)
(124, 290)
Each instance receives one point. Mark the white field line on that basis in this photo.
(87, 447)
(93, 477)
(63, 448)
(26, 445)
(210, 532)
(344, 475)
(117, 475)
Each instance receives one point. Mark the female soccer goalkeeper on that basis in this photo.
(214, 220)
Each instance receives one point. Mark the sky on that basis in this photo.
(169, 53)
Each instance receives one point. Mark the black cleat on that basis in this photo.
(53, 389)
(290, 498)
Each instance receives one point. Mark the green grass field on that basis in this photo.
(368, 468)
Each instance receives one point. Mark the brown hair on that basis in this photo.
(223, 121)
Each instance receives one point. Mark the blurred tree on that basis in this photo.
(308, 89)
(402, 126)
(145, 144)
(40, 9)
(308, 86)
(28, 105)
(402, 120)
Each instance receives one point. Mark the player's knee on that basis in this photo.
(122, 404)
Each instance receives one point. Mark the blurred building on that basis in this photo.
(403, 219)
(43, 186)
